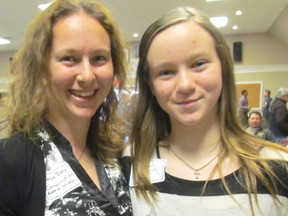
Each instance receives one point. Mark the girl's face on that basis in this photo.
(185, 73)
(80, 65)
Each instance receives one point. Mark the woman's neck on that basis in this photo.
(75, 133)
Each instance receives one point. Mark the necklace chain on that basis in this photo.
(196, 171)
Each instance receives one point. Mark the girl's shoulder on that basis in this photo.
(278, 161)
(274, 153)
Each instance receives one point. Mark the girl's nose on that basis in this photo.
(186, 81)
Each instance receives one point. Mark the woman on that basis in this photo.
(190, 154)
(63, 132)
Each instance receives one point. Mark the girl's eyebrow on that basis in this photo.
(193, 56)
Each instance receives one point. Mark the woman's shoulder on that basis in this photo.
(17, 149)
(18, 141)
(22, 172)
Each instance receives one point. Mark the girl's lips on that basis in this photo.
(187, 101)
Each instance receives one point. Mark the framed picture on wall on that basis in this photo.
(254, 92)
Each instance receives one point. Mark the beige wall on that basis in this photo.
(260, 49)
(278, 27)
(270, 80)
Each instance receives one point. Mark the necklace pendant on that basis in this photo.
(196, 175)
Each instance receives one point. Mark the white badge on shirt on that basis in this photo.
(156, 171)
(59, 181)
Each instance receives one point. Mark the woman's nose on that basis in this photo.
(85, 73)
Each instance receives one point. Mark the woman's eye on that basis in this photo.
(166, 73)
(68, 59)
(99, 59)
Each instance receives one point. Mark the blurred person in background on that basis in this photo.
(266, 106)
(278, 116)
(255, 127)
(244, 108)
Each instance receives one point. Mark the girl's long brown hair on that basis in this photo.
(152, 124)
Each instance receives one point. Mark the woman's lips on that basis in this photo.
(83, 94)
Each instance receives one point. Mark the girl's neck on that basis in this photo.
(195, 139)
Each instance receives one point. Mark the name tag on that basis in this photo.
(156, 171)
(60, 180)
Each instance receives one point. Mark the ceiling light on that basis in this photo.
(238, 12)
(135, 35)
(219, 21)
(235, 27)
(4, 41)
(44, 6)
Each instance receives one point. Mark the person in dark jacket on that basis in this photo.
(266, 106)
(278, 117)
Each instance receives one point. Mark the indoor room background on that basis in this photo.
(261, 58)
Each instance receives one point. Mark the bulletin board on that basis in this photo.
(254, 93)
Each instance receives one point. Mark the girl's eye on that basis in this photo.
(199, 64)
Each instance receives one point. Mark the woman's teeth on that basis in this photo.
(84, 94)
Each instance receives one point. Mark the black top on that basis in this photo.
(22, 177)
(24, 168)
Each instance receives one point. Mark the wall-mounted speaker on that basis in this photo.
(237, 51)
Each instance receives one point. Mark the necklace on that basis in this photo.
(196, 171)
(83, 150)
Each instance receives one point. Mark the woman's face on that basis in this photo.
(185, 73)
(80, 65)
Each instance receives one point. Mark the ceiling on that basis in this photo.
(134, 16)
